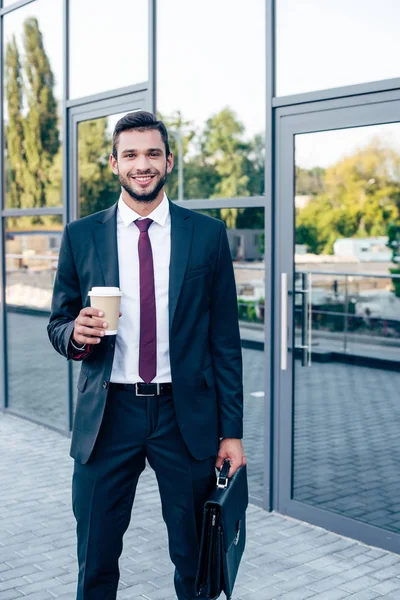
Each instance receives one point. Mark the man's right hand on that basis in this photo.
(87, 329)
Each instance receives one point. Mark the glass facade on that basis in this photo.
(217, 121)
(308, 187)
(33, 92)
(337, 43)
(36, 374)
(346, 198)
(108, 48)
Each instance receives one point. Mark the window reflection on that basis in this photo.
(32, 93)
(245, 229)
(335, 43)
(116, 53)
(347, 259)
(212, 98)
(99, 188)
(347, 198)
(32, 246)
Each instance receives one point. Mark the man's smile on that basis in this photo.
(143, 180)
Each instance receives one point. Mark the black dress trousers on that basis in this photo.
(103, 491)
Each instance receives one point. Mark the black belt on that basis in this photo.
(144, 389)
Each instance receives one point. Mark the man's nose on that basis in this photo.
(142, 163)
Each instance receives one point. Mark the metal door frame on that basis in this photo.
(139, 97)
(363, 110)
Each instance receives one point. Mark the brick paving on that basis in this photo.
(347, 419)
(285, 559)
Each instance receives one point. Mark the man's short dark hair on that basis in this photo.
(142, 121)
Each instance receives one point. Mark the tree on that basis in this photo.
(224, 147)
(98, 186)
(310, 181)
(360, 199)
(41, 135)
(15, 162)
(178, 128)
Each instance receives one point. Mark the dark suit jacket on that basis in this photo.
(205, 353)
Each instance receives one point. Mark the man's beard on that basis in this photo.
(149, 197)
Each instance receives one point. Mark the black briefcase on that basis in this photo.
(223, 535)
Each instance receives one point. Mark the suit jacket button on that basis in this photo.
(105, 385)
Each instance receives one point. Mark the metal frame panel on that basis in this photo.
(369, 111)
(269, 246)
(15, 6)
(152, 55)
(339, 92)
(65, 198)
(107, 96)
(31, 212)
(204, 204)
(3, 329)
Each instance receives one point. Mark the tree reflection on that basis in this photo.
(32, 130)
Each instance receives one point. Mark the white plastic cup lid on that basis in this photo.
(105, 291)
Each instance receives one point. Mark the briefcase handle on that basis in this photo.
(222, 478)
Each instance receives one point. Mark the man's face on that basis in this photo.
(141, 164)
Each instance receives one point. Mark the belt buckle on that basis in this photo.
(137, 389)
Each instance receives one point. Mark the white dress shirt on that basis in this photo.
(125, 367)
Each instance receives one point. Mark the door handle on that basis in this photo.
(306, 319)
(284, 321)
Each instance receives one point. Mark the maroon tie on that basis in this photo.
(148, 328)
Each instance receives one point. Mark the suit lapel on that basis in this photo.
(105, 239)
(181, 239)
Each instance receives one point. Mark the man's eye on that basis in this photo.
(155, 154)
(130, 155)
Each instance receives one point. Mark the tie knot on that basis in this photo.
(143, 224)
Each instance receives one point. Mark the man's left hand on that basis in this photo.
(232, 449)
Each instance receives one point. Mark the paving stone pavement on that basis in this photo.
(346, 423)
(284, 559)
(32, 358)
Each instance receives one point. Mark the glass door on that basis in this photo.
(338, 223)
(92, 183)
(93, 186)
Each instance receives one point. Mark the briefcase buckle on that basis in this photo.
(222, 483)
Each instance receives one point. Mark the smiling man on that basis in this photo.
(168, 386)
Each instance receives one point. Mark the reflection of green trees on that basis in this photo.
(14, 127)
(359, 196)
(98, 187)
(32, 133)
(218, 161)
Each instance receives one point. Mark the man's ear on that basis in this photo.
(114, 164)
(170, 163)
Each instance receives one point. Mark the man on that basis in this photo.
(168, 386)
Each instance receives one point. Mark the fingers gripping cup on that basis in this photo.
(107, 299)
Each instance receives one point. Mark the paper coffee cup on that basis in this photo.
(107, 299)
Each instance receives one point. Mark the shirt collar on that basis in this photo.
(158, 215)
